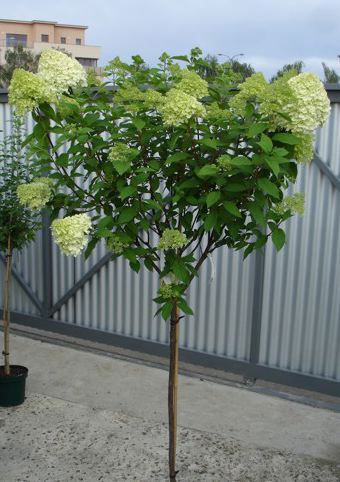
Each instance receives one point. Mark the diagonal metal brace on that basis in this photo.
(79, 284)
(25, 287)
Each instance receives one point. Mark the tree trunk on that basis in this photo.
(172, 390)
(6, 311)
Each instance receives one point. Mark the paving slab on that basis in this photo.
(51, 440)
(106, 417)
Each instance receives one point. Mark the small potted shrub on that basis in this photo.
(18, 226)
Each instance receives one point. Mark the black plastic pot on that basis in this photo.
(12, 387)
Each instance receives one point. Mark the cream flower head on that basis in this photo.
(35, 194)
(70, 233)
(60, 71)
(179, 107)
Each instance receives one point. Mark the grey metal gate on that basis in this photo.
(274, 316)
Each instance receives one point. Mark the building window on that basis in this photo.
(78, 41)
(14, 39)
(44, 37)
(85, 62)
(63, 40)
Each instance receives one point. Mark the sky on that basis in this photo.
(269, 33)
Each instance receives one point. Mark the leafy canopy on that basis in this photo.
(168, 168)
(17, 223)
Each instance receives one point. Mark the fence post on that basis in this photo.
(46, 265)
(255, 336)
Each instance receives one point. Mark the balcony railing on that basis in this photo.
(31, 45)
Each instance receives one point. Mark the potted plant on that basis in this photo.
(171, 168)
(18, 226)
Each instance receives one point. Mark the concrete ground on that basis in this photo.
(93, 418)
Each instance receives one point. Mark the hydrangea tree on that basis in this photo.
(18, 224)
(166, 168)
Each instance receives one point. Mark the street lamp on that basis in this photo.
(231, 58)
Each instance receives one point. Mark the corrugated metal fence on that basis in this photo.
(274, 316)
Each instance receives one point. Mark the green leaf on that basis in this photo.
(135, 265)
(144, 224)
(127, 191)
(210, 221)
(39, 131)
(180, 271)
(173, 140)
(257, 214)
(279, 238)
(249, 249)
(178, 156)
(63, 160)
(207, 171)
(153, 204)
(90, 247)
(166, 311)
(273, 166)
(121, 166)
(127, 215)
(280, 152)
(265, 143)
(104, 233)
(212, 198)
(212, 143)
(268, 187)
(286, 138)
(183, 305)
(139, 123)
(235, 187)
(189, 183)
(232, 209)
(106, 222)
(155, 165)
(184, 58)
(149, 264)
(240, 161)
(256, 129)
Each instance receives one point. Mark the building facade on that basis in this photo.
(38, 35)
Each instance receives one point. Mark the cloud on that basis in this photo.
(269, 33)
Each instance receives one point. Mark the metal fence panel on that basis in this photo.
(293, 323)
(301, 302)
(328, 141)
(118, 300)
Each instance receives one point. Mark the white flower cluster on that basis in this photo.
(35, 194)
(172, 239)
(312, 104)
(301, 99)
(192, 84)
(294, 203)
(70, 233)
(27, 91)
(60, 71)
(57, 72)
(179, 107)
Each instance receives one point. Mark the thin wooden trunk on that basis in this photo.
(6, 311)
(172, 390)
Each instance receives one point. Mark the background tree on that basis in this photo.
(17, 58)
(330, 75)
(170, 168)
(296, 67)
(242, 69)
(208, 68)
